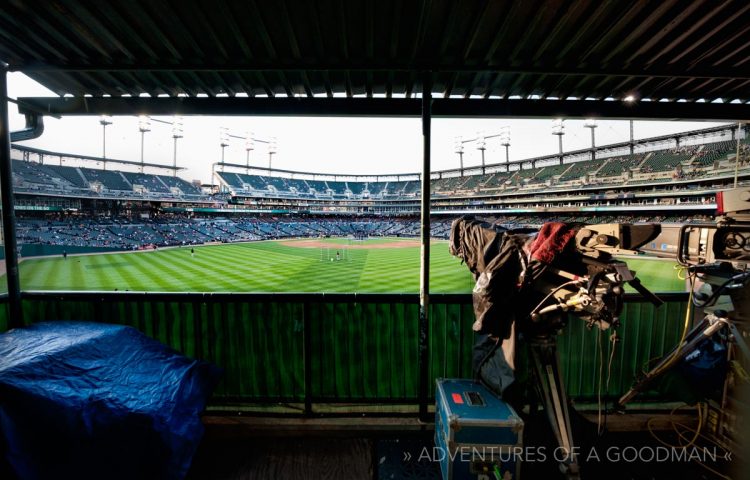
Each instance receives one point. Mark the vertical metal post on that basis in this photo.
(507, 154)
(104, 146)
(424, 282)
(143, 136)
(8, 212)
(737, 158)
(632, 144)
(461, 160)
(174, 157)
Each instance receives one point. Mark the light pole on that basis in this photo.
(224, 141)
(459, 149)
(104, 121)
(505, 142)
(559, 129)
(591, 123)
(144, 125)
(176, 133)
(271, 152)
(481, 146)
(249, 145)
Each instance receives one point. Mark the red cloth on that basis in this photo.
(550, 241)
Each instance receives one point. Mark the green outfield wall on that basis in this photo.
(341, 348)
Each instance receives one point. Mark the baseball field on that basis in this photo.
(381, 265)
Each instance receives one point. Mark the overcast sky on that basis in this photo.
(321, 144)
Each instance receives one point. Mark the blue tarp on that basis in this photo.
(90, 400)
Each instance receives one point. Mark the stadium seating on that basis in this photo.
(255, 182)
(665, 160)
(110, 180)
(298, 185)
(339, 188)
(320, 187)
(150, 182)
(376, 188)
(71, 174)
(40, 176)
(356, 187)
(549, 172)
(617, 166)
(579, 169)
(278, 183)
(186, 188)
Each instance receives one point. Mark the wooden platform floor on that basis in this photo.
(372, 448)
(284, 458)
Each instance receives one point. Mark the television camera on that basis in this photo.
(716, 257)
(571, 269)
(528, 283)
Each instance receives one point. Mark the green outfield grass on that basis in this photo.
(271, 266)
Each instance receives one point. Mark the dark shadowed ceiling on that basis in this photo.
(671, 49)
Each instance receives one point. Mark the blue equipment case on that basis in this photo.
(477, 435)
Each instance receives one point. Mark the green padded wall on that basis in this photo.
(359, 348)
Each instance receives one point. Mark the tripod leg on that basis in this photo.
(552, 392)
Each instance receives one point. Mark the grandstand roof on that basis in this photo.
(693, 52)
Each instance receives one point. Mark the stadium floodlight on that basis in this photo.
(591, 123)
(272, 148)
(558, 128)
(177, 132)
(249, 145)
(144, 125)
(629, 99)
(104, 120)
(224, 142)
(458, 147)
(481, 146)
(505, 141)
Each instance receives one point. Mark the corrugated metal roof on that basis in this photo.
(673, 49)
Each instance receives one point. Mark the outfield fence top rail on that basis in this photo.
(213, 297)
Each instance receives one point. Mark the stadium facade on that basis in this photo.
(69, 200)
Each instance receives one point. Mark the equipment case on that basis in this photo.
(477, 435)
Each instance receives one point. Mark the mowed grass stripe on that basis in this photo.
(231, 269)
(272, 266)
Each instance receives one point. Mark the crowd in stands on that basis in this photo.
(90, 182)
(685, 162)
(178, 230)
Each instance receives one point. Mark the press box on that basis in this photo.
(478, 436)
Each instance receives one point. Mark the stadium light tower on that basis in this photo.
(591, 123)
(249, 145)
(481, 146)
(458, 147)
(144, 125)
(559, 129)
(271, 151)
(505, 141)
(104, 120)
(224, 142)
(177, 132)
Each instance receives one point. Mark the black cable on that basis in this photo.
(743, 277)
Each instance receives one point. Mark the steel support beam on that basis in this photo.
(424, 270)
(382, 107)
(638, 71)
(8, 210)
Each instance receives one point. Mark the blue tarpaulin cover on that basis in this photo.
(91, 400)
